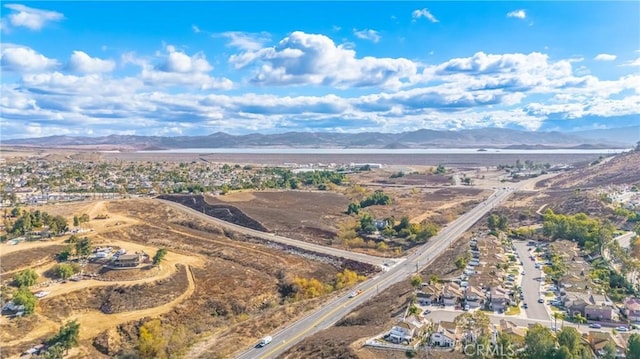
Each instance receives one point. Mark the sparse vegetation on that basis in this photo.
(159, 256)
(26, 278)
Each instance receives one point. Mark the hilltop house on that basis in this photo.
(127, 261)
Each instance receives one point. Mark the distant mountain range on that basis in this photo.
(475, 138)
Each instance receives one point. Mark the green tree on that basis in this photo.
(67, 336)
(159, 256)
(610, 351)
(540, 342)
(441, 169)
(633, 346)
(353, 208)
(24, 297)
(84, 247)
(64, 270)
(25, 278)
(65, 254)
(15, 212)
(76, 221)
(569, 337)
(416, 281)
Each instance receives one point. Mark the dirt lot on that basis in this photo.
(235, 283)
(16, 261)
(309, 216)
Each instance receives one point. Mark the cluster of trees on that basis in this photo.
(27, 221)
(77, 220)
(377, 198)
(66, 338)
(65, 270)
(463, 260)
(440, 170)
(591, 234)
(631, 216)
(498, 222)
(23, 296)
(25, 278)
(80, 247)
(614, 284)
(306, 288)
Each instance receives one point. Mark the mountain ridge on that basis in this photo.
(424, 138)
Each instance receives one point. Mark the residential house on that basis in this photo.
(507, 327)
(632, 309)
(451, 293)
(600, 312)
(598, 340)
(474, 297)
(499, 299)
(446, 335)
(429, 294)
(405, 331)
(127, 261)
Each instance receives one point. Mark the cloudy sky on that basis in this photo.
(194, 68)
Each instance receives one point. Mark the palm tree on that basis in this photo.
(557, 315)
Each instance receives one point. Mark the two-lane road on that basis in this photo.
(332, 311)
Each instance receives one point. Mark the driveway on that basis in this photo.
(530, 286)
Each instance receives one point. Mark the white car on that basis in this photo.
(622, 329)
(41, 294)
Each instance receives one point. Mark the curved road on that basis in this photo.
(335, 309)
(335, 252)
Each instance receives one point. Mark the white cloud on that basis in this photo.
(24, 59)
(195, 29)
(367, 34)
(635, 62)
(418, 13)
(31, 18)
(310, 59)
(246, 41)
(518, 14)
(180, 62)
(83, 63)
(605, 57)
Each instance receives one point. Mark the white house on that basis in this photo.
(445, 335)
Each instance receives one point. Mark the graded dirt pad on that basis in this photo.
(20, 259)
(308, 216)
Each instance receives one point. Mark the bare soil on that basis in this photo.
(16, 261)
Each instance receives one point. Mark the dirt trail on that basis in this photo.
(93, 323)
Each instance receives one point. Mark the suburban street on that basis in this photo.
(530, 286)
(336, 252)
(332, 311)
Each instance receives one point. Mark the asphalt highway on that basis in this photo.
(325, 316)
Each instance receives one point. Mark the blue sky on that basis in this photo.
(193, 68)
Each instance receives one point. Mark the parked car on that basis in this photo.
(525, 306)
(595, 326)
(541, 300)
(622, 328)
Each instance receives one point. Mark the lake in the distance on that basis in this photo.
(383, 151)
